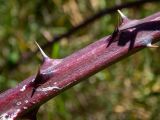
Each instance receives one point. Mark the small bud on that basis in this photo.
(42, 52)
(152, 46)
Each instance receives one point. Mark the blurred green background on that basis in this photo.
(128, 90)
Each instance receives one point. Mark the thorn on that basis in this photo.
(152, 46)
(113, 36)
(37, 77)
(42, 52)
(35, 82)
(122, 15)
(124, 18)
(33, 91)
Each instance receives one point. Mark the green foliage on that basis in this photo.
(128, 90)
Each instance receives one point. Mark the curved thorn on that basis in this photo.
(122, 15)
(113, 36)
(42, 52)
(35, 82)
(152, 46)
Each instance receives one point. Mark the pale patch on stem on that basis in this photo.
(23, 88)
(48, 88)
(12, 116)
(18, 103)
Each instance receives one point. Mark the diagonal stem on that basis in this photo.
(78, 27)
(65, 73)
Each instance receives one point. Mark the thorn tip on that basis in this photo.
(122, 15)
(152, 46)
(42, 52)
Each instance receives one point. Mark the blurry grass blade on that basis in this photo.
(55, 50)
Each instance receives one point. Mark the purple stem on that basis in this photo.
(65, 73)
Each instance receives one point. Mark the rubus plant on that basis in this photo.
(56, 75)
(74, 29)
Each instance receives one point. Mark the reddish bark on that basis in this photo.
(57, 75)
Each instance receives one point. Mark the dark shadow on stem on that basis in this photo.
(126, 35)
